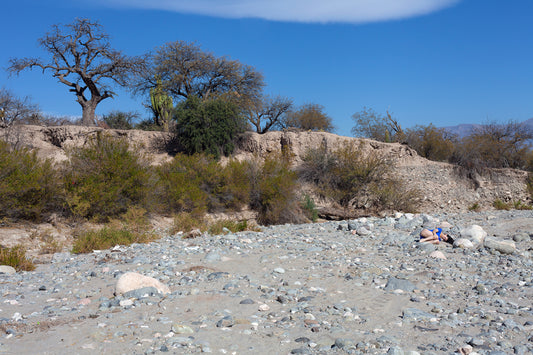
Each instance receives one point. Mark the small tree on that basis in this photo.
(207, 126)
(82, 59)
(495, 145)
(431, 142)
(370, 124)
(13, 109)
(266, 112)
(309, 117)
(120, 119)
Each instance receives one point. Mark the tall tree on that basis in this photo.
(186, 70)
(265, 112)
(82, 58)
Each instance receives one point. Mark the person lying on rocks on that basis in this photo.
(434, 236)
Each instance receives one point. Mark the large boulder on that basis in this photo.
(474, 233)
(133, 281)
(463, 243)
(501, 245)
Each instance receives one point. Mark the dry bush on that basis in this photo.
(16, 258)
(357, 179)
(431, 142)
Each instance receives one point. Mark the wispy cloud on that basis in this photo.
(347, 11)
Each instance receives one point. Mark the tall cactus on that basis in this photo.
(162, 105)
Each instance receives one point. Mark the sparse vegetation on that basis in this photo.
(356, 179)
(16, 258)
(474, 207)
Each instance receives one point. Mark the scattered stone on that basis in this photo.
(399, 284)
(437, 255)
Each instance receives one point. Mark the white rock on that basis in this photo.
(133, 281)
(279, 270)
(503, 246)
(474, 233)
(463, 243)
(437, 255)
(8, 270)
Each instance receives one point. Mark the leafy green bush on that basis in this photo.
(16, 258)
(198, 183)
(208, 126)
(104, 178)
(29, 187)
(274, 192)
(309, 208)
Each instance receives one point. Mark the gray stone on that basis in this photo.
(226, 322)
(142, 292)
(416, 315)
(501, 245)
(399, 284)
(521, 237)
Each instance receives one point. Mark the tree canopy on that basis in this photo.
(82, 59)
(185, 70)
(370, 124)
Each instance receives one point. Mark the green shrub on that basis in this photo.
(208, 126)
(105, 178)
(309, 208)
(16, 258)
(198, 183)
(29, 187)
(519, 205)
(273, 193)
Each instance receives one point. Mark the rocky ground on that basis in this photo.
(355, 287)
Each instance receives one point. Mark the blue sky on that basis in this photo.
(444, 62)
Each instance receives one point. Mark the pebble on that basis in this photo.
(315, 288)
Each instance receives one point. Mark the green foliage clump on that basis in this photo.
(474, 207)
(273, 193)
(309, 208)
(104, 178)
(16, 258)
(29, 187)
(218, 227)
(208, 125)
(198, 183)
(356, 179)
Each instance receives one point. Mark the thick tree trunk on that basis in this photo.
(88, 117)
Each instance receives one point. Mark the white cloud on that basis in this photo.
(347, 11)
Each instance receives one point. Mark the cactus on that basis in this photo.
(162, 105)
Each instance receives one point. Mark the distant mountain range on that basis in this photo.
(466, 129)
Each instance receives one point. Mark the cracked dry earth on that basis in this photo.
(363, 286)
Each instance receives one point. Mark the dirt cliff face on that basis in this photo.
(443, 186)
